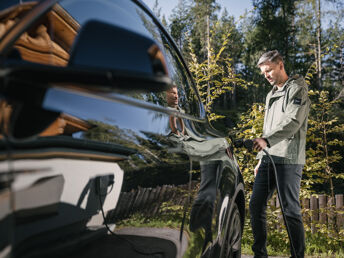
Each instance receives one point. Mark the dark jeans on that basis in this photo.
(289, 179)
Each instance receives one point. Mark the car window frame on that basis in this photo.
(202, 114)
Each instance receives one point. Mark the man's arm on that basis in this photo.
(295, 114)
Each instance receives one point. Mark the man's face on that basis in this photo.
(272, 72)
(172, 97)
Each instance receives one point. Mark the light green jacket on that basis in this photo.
(285, 121)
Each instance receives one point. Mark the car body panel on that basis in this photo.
(72, 152)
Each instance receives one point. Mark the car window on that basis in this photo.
(188, 99)
(50, 41)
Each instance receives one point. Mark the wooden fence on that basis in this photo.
(149, 200)
(317, 210)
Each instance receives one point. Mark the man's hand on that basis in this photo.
(259, 144)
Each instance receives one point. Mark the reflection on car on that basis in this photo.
(105, 145)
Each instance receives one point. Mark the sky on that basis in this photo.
(234, 7)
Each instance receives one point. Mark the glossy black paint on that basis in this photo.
(68, 150)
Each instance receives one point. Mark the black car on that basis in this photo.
(106, 150)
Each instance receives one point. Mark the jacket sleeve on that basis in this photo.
(265, 110)
(296, 113)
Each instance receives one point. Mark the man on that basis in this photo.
(284, 137)
(172, 96)
(176, 123)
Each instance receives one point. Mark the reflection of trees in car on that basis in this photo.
(101, 143)
(150, 26)
(212, 156)
(151, 165)
(178, 75)
(157, 98)
(150, 146)
(176, 71)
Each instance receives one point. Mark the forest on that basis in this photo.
(222, 53)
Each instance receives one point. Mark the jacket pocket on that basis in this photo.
(292, 148)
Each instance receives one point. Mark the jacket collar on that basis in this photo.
(277, 92)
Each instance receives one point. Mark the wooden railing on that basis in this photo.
(149, 200)
(317, 210)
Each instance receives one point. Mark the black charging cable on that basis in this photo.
(248, 144)
(131, 244)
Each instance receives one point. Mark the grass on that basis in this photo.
(317, 245)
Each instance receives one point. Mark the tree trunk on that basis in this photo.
(293, 44)
(286, 40)
(233, 97)
(318, 12)
(208, 50)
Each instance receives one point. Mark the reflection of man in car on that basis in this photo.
(176, 123)
(172, 96)
(211, 155)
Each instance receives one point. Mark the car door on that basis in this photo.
(94, 131)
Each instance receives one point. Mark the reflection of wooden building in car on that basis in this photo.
(66, 125)
(47, 43)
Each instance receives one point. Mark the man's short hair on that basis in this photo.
(172, 86)
(270, 56)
